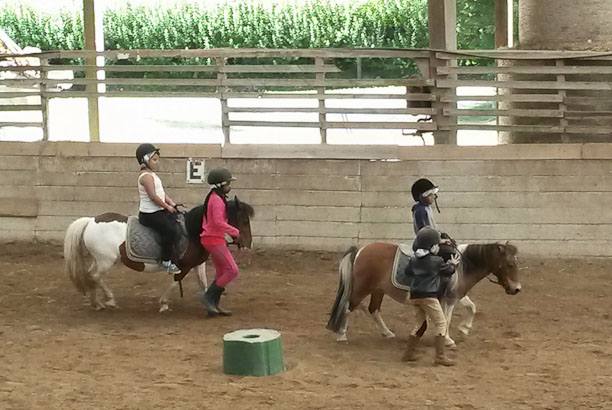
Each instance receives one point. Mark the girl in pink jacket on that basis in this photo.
(214, 230)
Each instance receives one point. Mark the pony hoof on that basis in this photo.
(450, 344)
(389, 335)
(111, 303)
(464, 330)
(164, 308)
(341, 339)
(98, 307)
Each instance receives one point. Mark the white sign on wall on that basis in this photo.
(196, 171)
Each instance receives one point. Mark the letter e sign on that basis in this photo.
(196, 170)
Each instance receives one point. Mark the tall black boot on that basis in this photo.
(222, 312)
(210, 299)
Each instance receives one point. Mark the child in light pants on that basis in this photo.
(426, 268)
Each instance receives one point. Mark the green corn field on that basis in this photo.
(318, 24)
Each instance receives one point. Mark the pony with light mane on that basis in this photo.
(93, 245)
(368, 271)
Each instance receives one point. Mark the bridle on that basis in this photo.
(464, 258)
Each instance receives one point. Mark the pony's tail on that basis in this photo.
(345, 288)
(75, 254)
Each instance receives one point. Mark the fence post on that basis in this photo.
(221, 76)
(89, 26)
(320, 77)
(562, 106)
(446, 132)
(442, 17)
(44, 100)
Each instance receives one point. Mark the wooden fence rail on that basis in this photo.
(565, 93)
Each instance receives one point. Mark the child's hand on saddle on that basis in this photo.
(454, 259)
(171, 209)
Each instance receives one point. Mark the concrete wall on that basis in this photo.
(565, 25)
(547, 199)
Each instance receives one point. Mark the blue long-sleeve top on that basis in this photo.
(422, 216)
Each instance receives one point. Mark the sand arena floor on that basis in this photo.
(547, 348)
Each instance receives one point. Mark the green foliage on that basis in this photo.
(27, 27)
(319, 24)
(476, 24)
(378, 23)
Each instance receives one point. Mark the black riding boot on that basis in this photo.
(210, 299)
(222, 312)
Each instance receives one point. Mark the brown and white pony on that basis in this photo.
(93, 245)
(367, 271)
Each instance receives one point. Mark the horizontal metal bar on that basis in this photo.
(21, 124)
(20, 107)
(389, 111)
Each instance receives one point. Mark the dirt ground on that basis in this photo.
(547, 348)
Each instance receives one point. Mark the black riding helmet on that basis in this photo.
(219, 176)
(144, 152)
(426, 238)
(423, 185)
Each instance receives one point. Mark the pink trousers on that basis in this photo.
(225, 266)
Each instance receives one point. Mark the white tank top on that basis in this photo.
(146, 203)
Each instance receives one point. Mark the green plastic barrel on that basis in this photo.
(253, 352)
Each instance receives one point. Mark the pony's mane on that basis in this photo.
(480, 253)
(193, 218)
(244, 207)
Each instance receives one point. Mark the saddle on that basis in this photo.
(400, 278)
(142, 244)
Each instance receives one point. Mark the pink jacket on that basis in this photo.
(216, 226)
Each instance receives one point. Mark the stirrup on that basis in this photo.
(169, 267)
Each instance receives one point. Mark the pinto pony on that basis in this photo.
(93, 245)
(367, 271)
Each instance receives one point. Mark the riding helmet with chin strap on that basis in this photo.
(421, 187)
(144, 152)
(426, 238)
(219, 176)
(424, 187)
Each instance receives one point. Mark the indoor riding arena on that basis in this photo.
(546, 348)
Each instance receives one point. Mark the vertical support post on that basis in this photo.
(320, 77)
(44, 100)
(221, 76)
(510, 7)
(504, 38)
(501, 24)
(89, 25)
(501, 41)
(443, 36)
(562, 106)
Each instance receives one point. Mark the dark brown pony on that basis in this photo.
(93, 245)
(367, 271)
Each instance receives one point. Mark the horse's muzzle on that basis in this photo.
(513, 291)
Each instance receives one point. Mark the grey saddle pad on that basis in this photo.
(399, 278)
(141, 242)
